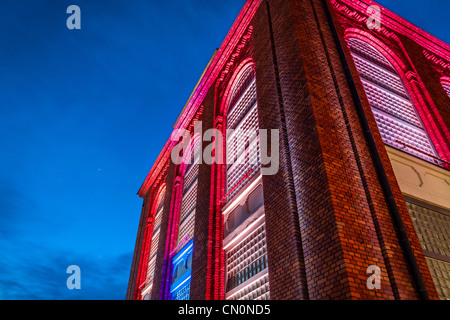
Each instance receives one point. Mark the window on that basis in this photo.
(396, 116)
(182, 261)
(247, 259)
(259, 290)
(155, 239)
(433, 230)
(242, 133)
(181, 273)
(245, 249)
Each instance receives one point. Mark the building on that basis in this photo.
(360, 99)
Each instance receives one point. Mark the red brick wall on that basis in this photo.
(335, 222)
(284, 247)
(393, 255)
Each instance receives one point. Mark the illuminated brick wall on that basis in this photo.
(311, 230)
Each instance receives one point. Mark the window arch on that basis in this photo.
(189, 196)
(394, 112)
(242, 139)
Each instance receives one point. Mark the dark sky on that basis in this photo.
(83, 116)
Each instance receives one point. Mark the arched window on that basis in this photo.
(181, 275)
(396, 116)
(245, 247)
(446, 85)
(189, 198)
(242, 133)
(155, 237)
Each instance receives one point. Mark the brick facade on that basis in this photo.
(328, 216)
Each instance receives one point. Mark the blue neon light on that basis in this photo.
(181, 275)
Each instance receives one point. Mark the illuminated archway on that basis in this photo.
(383, 77)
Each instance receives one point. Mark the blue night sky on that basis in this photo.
(83, 116)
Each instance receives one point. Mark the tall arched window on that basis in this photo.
(189, 198)
(446, 86)
(182, 255)
(396, 116)
(154, 242)
(245, 246)
(242, 133)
